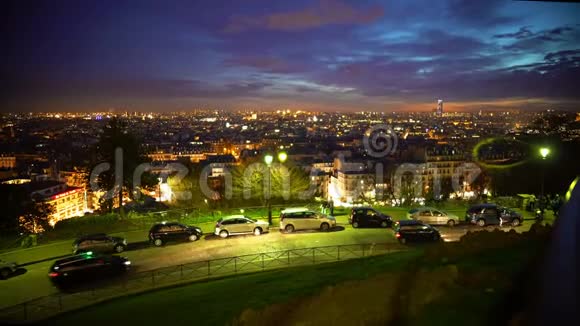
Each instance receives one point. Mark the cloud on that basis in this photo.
(327, 12)
(523, 32)
(526, 39)
(563, 55)
(268, 64)
(138, 88)
(478, 13)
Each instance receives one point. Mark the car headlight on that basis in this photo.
(127, 262)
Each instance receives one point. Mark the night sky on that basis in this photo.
(323, 55)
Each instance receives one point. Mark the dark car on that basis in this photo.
(79, 269)
(415, 231)
(164, 232)
(490, 214)
(369, 217)
(99, 242)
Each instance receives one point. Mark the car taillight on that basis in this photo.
(52, 274)
(398, 235)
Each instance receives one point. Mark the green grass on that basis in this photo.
(218, 302)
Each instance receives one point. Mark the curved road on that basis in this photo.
(33, 281)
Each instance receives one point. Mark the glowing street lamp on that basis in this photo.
(282, 156)
(544, 153)
(268, 159)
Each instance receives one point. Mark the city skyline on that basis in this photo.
(316, 56)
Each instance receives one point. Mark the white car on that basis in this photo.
(433, 216)
(240, 224)
(6, 269)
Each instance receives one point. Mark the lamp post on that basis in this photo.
(268, 159)
(544, 153)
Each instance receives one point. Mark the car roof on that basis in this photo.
(71, 259)
(410, 222)
(166, 223)
(296, 210)
(229, 217)
(484, 205)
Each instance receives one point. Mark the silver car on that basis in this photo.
(305, 219)
(240, 224)
(432, 216)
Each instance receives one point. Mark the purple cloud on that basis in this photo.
(326, 12)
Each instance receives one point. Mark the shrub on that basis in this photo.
(473, 243)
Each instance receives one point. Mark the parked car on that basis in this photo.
(302, 218)
(490, 214)
(164, 232)
(99, 242)
(415, 231)
(369, 217)
(433, 216)
(78, 269)
(240, 224)
(7, 269)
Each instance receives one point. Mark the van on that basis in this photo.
(302, 218)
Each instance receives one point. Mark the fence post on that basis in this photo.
(153, 277)
(338, 253)
(313, 255)
(235, 264)
(208, 268)
(181, 271)
(288, 252)
(363, 249)
(263, 261)
(60, 303)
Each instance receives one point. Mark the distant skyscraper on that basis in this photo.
(439, 111)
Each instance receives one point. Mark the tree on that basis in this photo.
(288, 182)
(187, 190)
(35, 217)
(115, 136)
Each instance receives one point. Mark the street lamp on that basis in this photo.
(268, 159)
(282, 156)
(544, 152)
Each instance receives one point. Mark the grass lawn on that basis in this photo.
(218, 302)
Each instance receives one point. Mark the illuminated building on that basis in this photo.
(439, 111)
(350, 183)
(7, 161)
(67, 201)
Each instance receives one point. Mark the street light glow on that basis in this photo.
(268, 159)
(544, 152)
(282, 156)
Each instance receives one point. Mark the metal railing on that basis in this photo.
(132, 283)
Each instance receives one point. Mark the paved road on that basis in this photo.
(33, 282)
